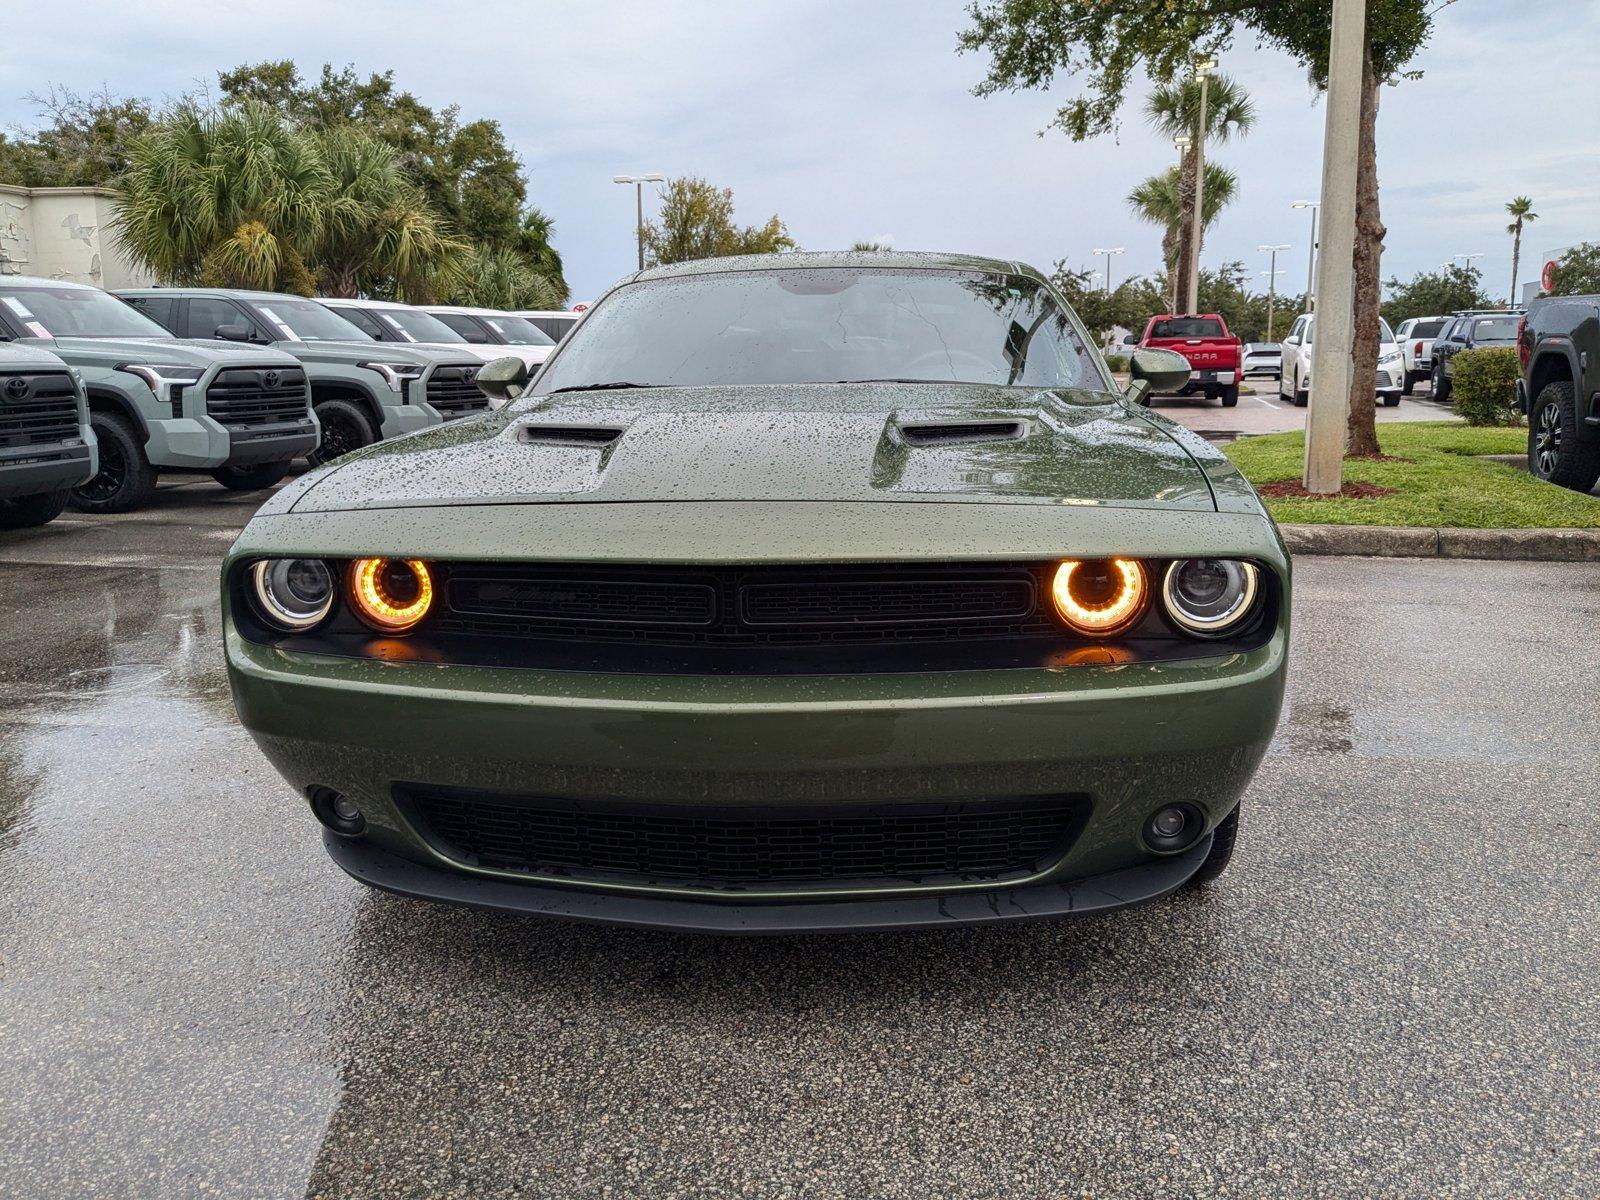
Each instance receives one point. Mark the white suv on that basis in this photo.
(1416, 336)
(1294, 381)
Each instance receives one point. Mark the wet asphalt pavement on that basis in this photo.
(1391, 993)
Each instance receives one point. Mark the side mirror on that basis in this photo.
(1131, 340)
(1291, 341)
(503, 380)
(477, 337)
(232, 333)
(1158, 370)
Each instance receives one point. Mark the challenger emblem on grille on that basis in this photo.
(16, 387)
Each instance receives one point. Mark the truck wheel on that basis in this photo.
(1555, 453)
(1410, 384)
(1223, 838)
(1230, 395)
(125, 479)
(1441, 386)
(345, 427)
(29, 511)
(251, 478)
(1302, 394)
(1391, 401)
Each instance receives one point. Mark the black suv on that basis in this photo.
(1469, 331)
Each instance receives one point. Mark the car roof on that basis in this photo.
(802, 260)
(41, 281)
(545, 312)
(466, 308)
(357, 302)
(235, 293)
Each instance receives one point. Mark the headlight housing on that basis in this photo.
(396, 375)
(391, 595)
(157, 375)
(1100, 597)
(292, 595)
(1209, 597)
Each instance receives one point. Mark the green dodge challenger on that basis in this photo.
(795, 592)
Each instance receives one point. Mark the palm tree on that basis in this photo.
(1521, 209)
(1160, 201)
(503, 278)
(1173, 109)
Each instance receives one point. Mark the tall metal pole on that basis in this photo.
(1272, 284)
(1202, 68)
(1108, 253)
(1311, 253)
(1334, 337)
(638, 213)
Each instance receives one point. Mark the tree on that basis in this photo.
(1173, 109)
(1521, 210)
(504, 279)
(1160, 200)
(696, 221)
(82, 141)
(1031, 41)
(1577, 272)
(1129, 305)
(244, 197)
(1435, 293)
(870, 247)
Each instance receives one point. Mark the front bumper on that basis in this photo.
(1130, 737)
(33, 470)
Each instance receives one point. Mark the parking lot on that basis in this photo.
(1391, 993)
(1260, 410)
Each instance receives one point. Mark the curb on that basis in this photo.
(1386, 541)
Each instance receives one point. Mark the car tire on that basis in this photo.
(252, 478)
(1229, 395)
(26, 512)
(1223, 839)
(345, 427)
(125, 479)
(1302, 395)
(1409, 385)
(1441, 386)
(1391, 401)
(1555, 454)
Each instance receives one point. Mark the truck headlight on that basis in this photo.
(157, 375)
(396, 375)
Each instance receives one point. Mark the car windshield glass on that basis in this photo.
(827, 325)
(75, 312)
(1385, 334)
(309, 321)
(1499, 329)
(1186, 327)
(1426, 329)
(516, 331)
(417, 326)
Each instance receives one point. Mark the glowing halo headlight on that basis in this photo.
(390, 594)
(1100, 596)
(291, 594)
(1209, 596)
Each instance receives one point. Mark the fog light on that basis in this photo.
(1172, 828)
(336, 811)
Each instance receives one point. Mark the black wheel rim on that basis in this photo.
(1547, 441)
(108, 480)
(339, 436)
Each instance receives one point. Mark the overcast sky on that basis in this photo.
(854, 119)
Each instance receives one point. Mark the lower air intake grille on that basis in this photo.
(738, 848)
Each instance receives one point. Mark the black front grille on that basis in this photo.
(741, 848)
(37, 409)
(244, 396)
(454, 392)
(747, 606)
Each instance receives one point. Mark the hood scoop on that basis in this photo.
(598, 437)
(962, 433)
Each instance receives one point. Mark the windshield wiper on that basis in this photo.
(893, 379)
(609, 385)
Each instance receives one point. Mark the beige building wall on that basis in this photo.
(63, 233)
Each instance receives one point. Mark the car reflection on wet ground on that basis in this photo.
(1391, 992)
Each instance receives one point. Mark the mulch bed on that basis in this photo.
(1293, 488)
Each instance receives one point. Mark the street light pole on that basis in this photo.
(638, 182)
(1328, 418)
(1108, 254)
(1272, 284)
(1311, 254)
(1202, 71)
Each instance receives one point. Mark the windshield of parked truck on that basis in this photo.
(416, 326)
(517, 331)
(827, 325)
(74, 312)
(309, 321)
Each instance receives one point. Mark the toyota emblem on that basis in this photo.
(16, 387)
(272, 378)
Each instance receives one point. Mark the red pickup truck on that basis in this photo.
(1214, 354)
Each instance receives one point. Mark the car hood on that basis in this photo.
(354, 353)
(853, 442)
(182, 352)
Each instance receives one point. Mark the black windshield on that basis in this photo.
(827, 325)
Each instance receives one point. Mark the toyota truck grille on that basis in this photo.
(37, 409)
(454, 392)
(246, 396)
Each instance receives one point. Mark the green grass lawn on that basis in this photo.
(1439, 483)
